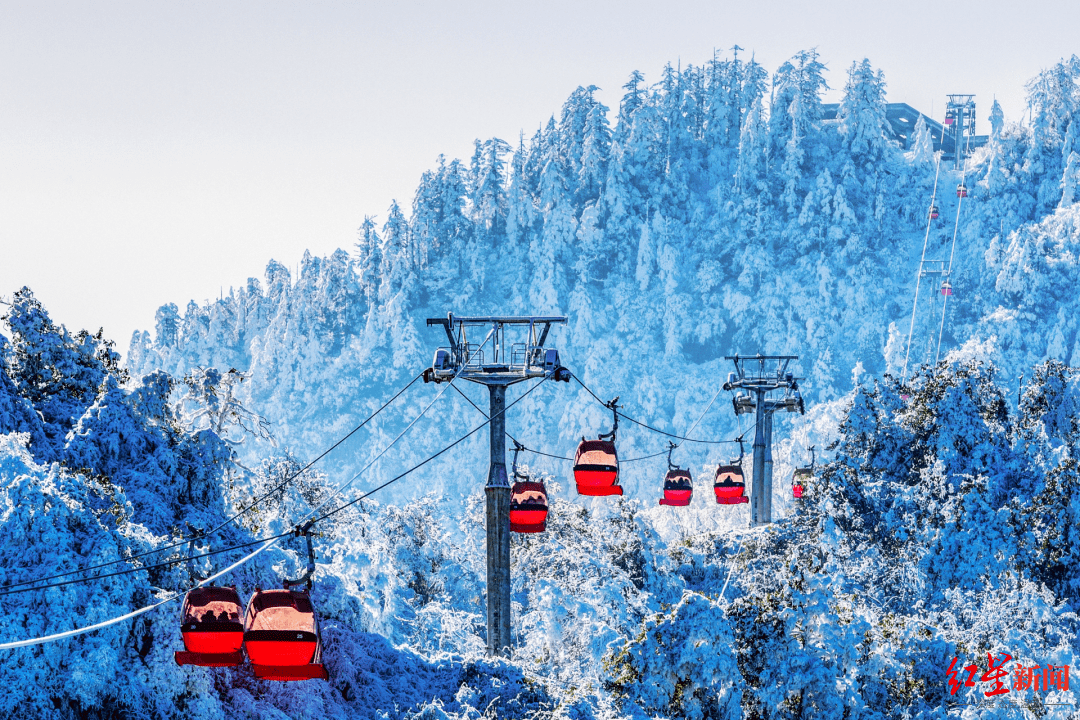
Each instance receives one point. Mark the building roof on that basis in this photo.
(902, 118)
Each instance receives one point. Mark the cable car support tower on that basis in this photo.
(960, 119)
(505, 366)
(757, 376)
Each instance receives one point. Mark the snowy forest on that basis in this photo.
(715, 212)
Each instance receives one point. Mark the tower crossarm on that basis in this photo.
(513, 349)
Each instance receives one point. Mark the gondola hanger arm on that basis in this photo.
(305, 531)
(614, 407)
(196, 534)
(518, 447)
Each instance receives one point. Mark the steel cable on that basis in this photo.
(254, 503)
(647, 426)
(267, 543)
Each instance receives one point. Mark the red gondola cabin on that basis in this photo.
(799, 482)
(961, 191)
(596, 468)
(946, 288)
(528, 507)
(213, 633)
(281, 636)
(934, 212)
(730, 486)
(678, 488)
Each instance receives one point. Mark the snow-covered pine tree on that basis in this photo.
(862, 114)
(487, 185)
(921, 144)
(793, 122)
(369, 259)
(595, 149)
(59, 374)
(997, 119)
(1053, 102)
(631, 101)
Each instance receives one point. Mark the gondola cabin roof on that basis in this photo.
(729, 473)
(281, 610)
(211, 628)
(528, 492)
(217, 599)
(678, 477)
(197, 596)
(596, 452)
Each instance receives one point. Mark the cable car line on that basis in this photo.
(129, 571)
(922, 259)
(646, 426)
(946, 288)
(255, 502)
(267, 543)
(460, 440)
(703, 412)
(177, 561)
(375, 459)
(645, 457)
(538, 452)
(113, 621)
(512, 438)
(320, 457)
(310, 512)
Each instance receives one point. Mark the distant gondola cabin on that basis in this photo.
(800, 481)
(678, 488)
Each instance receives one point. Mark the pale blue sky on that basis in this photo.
(154, 152)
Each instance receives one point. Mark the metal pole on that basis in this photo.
(758, 509)
(958, 124)
(498, 531)
(941, 329)
(768, 466)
